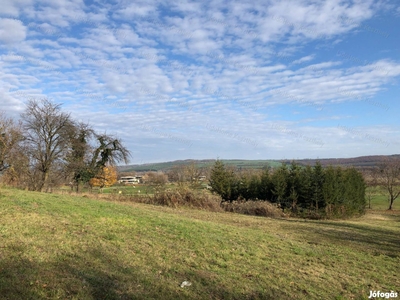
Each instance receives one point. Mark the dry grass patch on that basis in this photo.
(253, 208)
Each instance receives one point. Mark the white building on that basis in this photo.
(130, 179)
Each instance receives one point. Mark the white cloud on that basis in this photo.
(137, 9)
(303, 59)
(59, 13)
(13, 7)
(11, 31)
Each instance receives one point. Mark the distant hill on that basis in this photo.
(358, 162)
(165, 166)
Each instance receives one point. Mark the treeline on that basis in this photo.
(48, 148)
(313, 191)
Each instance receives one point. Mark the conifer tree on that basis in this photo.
(222, 181)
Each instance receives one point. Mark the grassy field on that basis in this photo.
(379, 198)
(67, 247)
(140, 189)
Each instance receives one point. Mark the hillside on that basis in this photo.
(165, 166)
(358, 162)
(68, 247)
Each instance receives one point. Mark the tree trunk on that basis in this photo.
(391, 203)
(44, 180)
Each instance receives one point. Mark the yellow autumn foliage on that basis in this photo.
(106, 177)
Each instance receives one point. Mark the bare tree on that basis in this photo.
(192, 174)
(390, 176)
(155, 178)
(10, 137)
(176, 174)
(46, 131)
(186, 174)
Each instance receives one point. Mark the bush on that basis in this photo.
(253, 208)
(184, 196)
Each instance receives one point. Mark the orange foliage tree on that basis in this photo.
(106, 177)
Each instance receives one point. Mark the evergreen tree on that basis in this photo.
(280, 184)
(222, 182)
(317, 187)
(333, 189)
(294, 185)
(265, 187)
(354, 191)
(305, 197)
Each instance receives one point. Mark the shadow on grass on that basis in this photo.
(96, 275)
(17, 278)
(375, 239)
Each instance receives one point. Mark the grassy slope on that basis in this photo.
(64, 247)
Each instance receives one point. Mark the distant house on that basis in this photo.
(130, 179)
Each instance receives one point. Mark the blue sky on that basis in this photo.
(212, 79)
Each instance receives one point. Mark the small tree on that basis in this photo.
(80, 154)
(223, 182)
(306, 179)
(331, 188)
(295, 186)
(249, 184)
(280, 184)
(389, 174)
(317, 186)
(354, 191)
(265, 188)
(106, 177)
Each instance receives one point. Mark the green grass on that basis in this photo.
(379, 198)
(140, 189)
(67, 247)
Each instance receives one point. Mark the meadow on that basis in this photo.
(55, 246)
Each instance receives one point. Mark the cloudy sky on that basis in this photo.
(212, 79)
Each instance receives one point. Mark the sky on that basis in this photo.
(212, 79)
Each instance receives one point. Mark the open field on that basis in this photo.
(137, 189)
(379, 198)
(67, 247)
